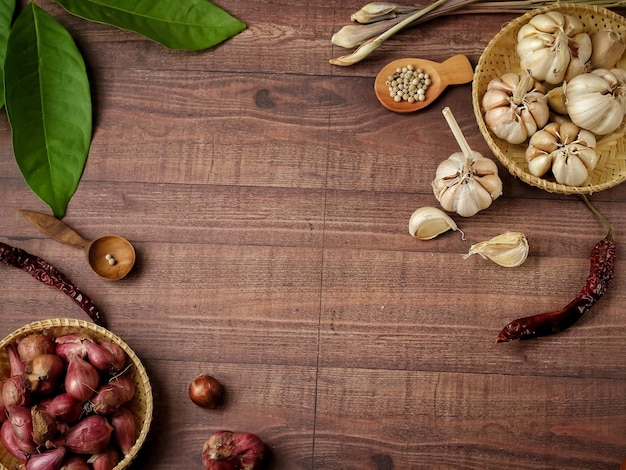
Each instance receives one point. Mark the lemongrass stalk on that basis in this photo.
(377, 11)
(353, 35)
(368, 47)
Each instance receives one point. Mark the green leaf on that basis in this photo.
(177, 24)
(48, 103)
(7, 7)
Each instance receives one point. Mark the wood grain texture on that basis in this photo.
(268, 194)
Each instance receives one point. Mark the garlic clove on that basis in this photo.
(509, 249)
(556, 100)
(607, 47)
(427, 223)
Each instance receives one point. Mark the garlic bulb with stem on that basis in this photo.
(428, 222)
(596, 100)
(564, 148)
(509, 249)
(466, 182)
(553, 47)
(515, 106)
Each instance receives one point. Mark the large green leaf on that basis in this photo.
(7, 7)
(48, 103)
(177, 24)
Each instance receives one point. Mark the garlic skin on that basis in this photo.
(466, 182)
(515, 106)
(509, 249)
(549, 42)
(607, 48)
(564, 148)
(427, 223)
(596, 100)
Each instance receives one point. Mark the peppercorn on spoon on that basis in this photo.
(456, 70)
(110, 256)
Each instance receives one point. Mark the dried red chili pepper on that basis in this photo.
(601, 273)
(49, 275)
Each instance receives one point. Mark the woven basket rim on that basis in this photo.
(513, 167)
(147, 398)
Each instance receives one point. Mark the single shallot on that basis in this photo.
(17, 366)
(124, 429)
(105, 460)
(76, 462)
(81, 380)
(113, 394)
(33, 345)
(226, 450)
(44, 373)
(48, 460)
(21, 421)
(15, 391)
(65, 408)
(10, 442)
(91, 435)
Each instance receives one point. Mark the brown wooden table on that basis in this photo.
(268, 193)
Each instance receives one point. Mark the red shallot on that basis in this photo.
(15, 391)
(226, 450)
(33, 345)
(119, 355)
(21, 421)
(48, 460)
(112, 395)
(91, 435)
(124, 429)
(70, 344)
(81, 380)
(106, 460)
(17, 366)
(64, 408)
(206, 391)
(10, 442)
(44, 373)
(76, 462)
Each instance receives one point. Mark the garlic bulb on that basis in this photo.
(607, 47)
(565, 149)
(553, 47)
(466, 182)
(509, 249)
(515, 107)
(428, 222)
(596, 100)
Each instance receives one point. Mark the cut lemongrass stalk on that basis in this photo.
(368, 47)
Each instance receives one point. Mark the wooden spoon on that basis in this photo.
(454, 71)
(110, 256)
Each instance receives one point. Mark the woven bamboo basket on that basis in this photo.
(500, 57)
(141, 405)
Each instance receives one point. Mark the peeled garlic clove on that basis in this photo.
(428, 222)
(509, 249)
(607, 48)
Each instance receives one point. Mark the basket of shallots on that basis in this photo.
(73, 395)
